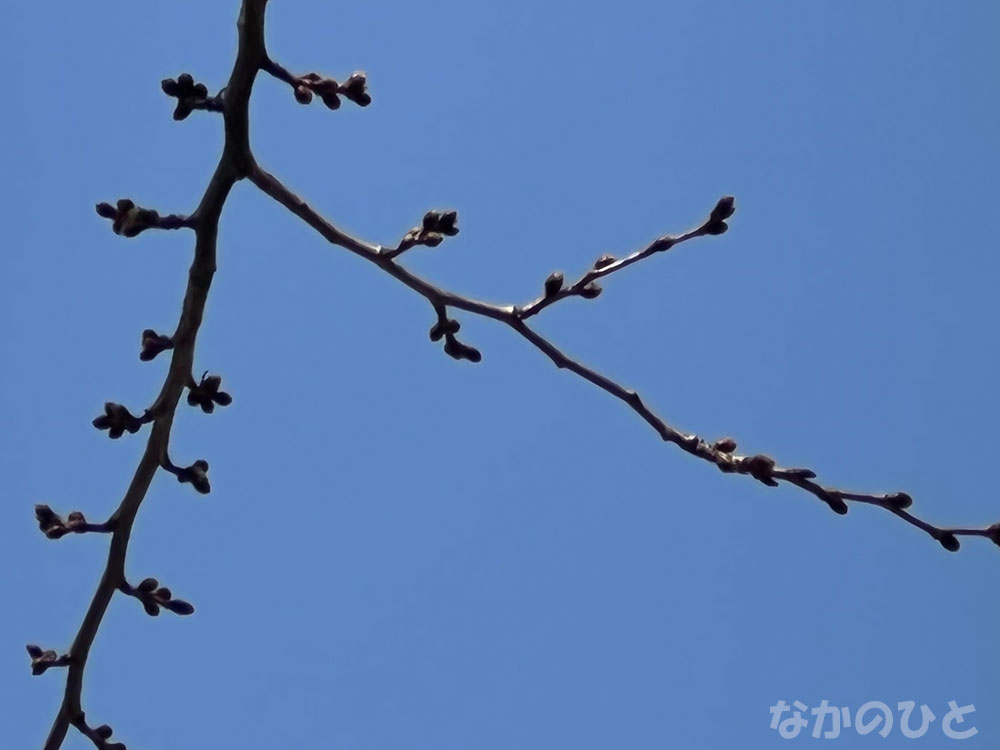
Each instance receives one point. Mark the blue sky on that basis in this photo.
(404, 551)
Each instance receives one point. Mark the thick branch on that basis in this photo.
(232, 166)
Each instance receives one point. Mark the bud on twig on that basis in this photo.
(725, 445)
(206, 394)
(117, 420)
(356, 89)
(189, 95)
(153, 343)
(155, 597)
(441, 222)
(104, 732)
(716, 223)
(553, 284)
(129, 220)
(303, 95)
(196, 475)
(835, 501)
(899, 500)
(436, 225)
(42, 660)
(761, 468)
(457, 350)
(949, 541)
(444, 327)
(994, 533)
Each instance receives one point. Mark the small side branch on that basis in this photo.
(355, 88)
(436, 225)
(191, 96)
(54, 527)
(586, 286)
(118, 420)
(196, 474)
(129, 220)
(155, 597)
(43, 660)
(100, 735)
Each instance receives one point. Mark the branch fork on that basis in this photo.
(237, 162)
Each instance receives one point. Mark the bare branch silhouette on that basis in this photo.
(236, 163)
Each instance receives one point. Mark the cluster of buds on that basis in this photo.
(42, 660)
(206, 394)
(118, 420)
(716, 223)
(153, 343)
(100, 736)
(446, 328)
(155, 597)
(189, 95)
(433, 229)
(554, 285)
(53, 525)
(196, 475)
(128, 219)
(354, 89)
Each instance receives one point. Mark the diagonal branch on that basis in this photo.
(721, 452)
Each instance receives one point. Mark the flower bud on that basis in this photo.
(303, 95)
(949, 541)
(723, 209)
(725, 445)
(553, 284)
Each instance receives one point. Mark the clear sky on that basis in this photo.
(402, 551)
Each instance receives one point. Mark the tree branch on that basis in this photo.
(721, 452)
(205, 221)
(236, 163)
